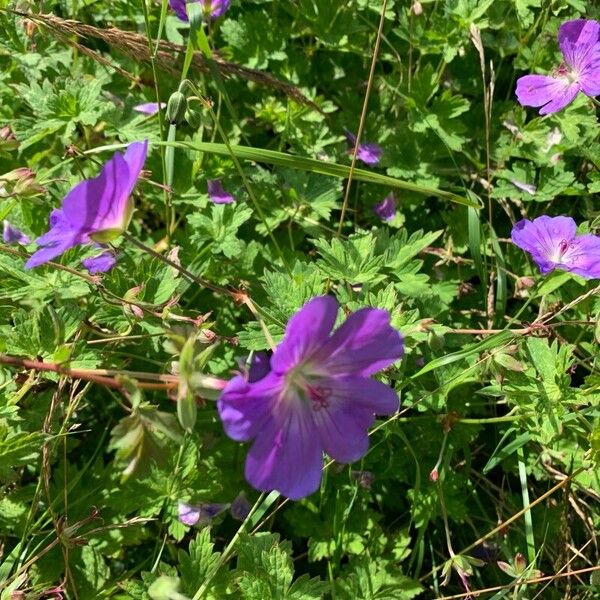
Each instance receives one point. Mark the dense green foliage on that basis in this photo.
(499, 384)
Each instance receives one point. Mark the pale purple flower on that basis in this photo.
(386, 209)
(217, 194)
(368, 152)
(554, 244)
(100, 263)
(316, 397)
(96, 209)
(212, 9)
(580, 72)
(12, 235)
(149, 108)
(199, 514)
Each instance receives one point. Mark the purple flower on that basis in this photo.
(212, 9)
(369, 153)
(100, 263)
(553, 244)
(12, 235)
(386, 209)
(317, 396)
(580, 45)
(149, 108)
(201, 514)
(217, 194)
(96, 209)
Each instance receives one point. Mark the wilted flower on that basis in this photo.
(386, 209)
(212, 9)
(524, 187)
(96, 209)
(12, 235)
(364, 478)
(316, 396)
(217, 194)
(553, 244)
(240, 507)
(149, 108)
(369, 153)
(580, 45)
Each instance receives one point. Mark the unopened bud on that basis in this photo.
(20, 182)
(416, 8)
(176, 108)
(519, 563)
(436, 341)
(193, 118)
(434, 475)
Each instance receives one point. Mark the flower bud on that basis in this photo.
(519, 563)
(436, 341)
(193, 118)
(176, 108)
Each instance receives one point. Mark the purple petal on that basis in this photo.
(188, 514)
(368, 152)
(364, 344)
(386, 209)
(344, 423)
(149, 108)
(179, 7)
(12, 235)
(259, 367)
(551, 93)
(245, 407)
(589, 74)
(583, 257)
(579, 32)
(217, 194)
(53, 243)
(217, 7)
(101, 263)
(543, 238)
(287, 456)
(211, 8)
(306, 331)
(103, 203)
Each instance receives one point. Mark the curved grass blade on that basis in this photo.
(301, 163)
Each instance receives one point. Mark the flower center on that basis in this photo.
(319, 396)
(307, 387)
(563, 246)
(566, 72)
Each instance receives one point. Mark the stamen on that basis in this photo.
(319, 396)
(562, 247)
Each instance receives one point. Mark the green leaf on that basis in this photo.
(221, 228)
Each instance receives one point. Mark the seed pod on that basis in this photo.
(194, 118)
(176, 108)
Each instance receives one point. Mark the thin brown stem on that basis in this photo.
(98, 376)
(363, 116)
